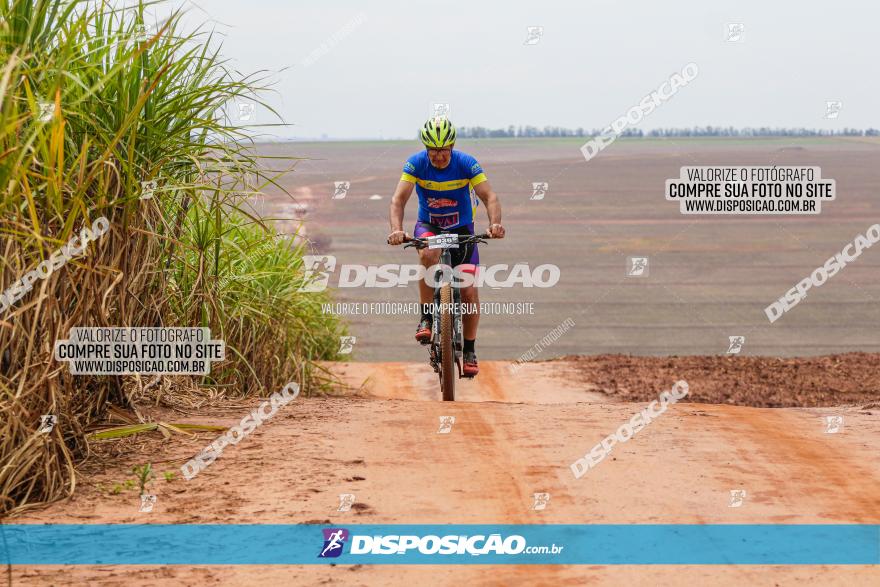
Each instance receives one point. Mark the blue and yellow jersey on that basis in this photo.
(445, 194)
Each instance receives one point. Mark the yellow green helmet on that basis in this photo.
(438, 132)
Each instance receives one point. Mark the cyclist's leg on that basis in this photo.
(428, 258)
(469, 294)
(471, 298)
(468, 261)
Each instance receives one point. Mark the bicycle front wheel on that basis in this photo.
(447, 355)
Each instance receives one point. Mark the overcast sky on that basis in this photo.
(385, 62)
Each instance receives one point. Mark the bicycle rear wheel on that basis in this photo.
(447, 355)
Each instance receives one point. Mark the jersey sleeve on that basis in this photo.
(410, 173)
(474, 172)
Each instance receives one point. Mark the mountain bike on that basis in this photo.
(445, 348)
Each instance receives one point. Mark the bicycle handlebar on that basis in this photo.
(464, 239)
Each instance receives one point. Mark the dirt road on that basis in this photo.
(514, 434)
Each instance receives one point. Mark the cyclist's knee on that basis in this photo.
(469, 294)
(429, 257)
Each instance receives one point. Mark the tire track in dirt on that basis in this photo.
(529, 383)
(830, 475)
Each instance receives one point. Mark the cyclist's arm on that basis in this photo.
(398, 203)
(489, 198)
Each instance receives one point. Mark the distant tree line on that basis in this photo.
(480, 132)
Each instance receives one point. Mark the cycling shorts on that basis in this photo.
(465, 256)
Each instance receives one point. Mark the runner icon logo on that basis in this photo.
(346, 500)
(334, 540)
(47, 111)
(141, 33)
(533, 35)
(637, 266)
(245, 111)
(340, 189)
(833, 424)
(446, 423)
(47, 423)
(147, 503)
(317, 270)
(440, 110)
(148, 188)
(541, 501)
(832, 109)
(737, 498)
(346, 344)
(539, 190)
(735, 32)
(736, 344)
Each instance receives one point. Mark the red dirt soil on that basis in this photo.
(762, 382)
(515, 434)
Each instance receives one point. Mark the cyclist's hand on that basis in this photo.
(496, 231)
(398, 237)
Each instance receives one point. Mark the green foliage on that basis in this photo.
(89, 109)
(143, 475)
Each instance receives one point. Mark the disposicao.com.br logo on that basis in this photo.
(431, 544)
(334, 540)
(319, 268)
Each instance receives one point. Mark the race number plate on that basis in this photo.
(443, 241)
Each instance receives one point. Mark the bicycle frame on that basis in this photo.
(457, 320)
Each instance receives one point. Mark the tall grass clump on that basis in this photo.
(91, 107)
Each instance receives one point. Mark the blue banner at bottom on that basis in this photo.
(564, 544)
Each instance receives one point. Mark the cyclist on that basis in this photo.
(443, 179)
